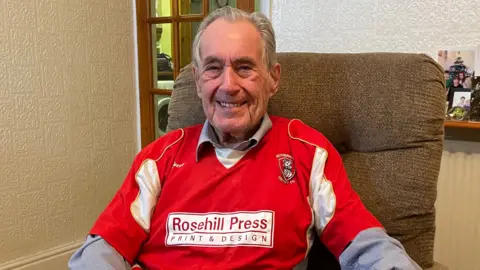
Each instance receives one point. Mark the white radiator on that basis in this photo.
(457, 240)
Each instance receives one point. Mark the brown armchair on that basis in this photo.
(384, 112)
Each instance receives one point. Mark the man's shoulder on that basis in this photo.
(172, 140)
(299, 131)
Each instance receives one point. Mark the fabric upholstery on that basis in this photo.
(382, 111)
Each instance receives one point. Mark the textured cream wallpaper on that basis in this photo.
(403, 26)
(67, 117)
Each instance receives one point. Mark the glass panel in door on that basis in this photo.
(162, 51)
(188, 30)
(160, 8)
(160, 111)
(190, 7)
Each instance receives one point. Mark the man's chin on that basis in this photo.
(234, 128)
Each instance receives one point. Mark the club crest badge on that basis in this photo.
(287, 168)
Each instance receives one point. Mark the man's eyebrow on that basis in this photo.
(212, 58)
(236, 61)
(244, 60)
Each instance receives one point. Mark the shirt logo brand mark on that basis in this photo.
(287, 168)
(176, 165)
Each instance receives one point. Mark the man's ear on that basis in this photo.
(196, 75)
(275, 73)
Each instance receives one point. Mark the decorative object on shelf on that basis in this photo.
(474, 114)
(475, 100)
(459, 104)
(457, 113)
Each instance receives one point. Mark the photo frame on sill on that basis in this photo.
(459, 104)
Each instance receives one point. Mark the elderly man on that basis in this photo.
(244, 190)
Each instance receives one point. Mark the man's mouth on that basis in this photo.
(230, 104)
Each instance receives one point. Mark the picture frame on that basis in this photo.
(459, 104)
(459, 65)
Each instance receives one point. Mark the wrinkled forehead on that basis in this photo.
(231, 40)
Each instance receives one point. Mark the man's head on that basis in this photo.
(236, 70)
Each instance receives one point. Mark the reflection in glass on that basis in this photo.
(160, 110)
(160, 8)
(214, 4)
(257, 5)
(188, 30)
(162, 51)
(188, 7)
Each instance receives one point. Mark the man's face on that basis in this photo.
(232, 80)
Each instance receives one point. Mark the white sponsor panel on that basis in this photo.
(221, 229)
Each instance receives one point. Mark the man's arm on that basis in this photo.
(96, 253)
(342, 220)
(117, 235)
(121, 229)
(375, 249)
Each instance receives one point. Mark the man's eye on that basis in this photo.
(212, 68)
(244, 68)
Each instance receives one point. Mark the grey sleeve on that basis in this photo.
(374, 249)
(96, 253)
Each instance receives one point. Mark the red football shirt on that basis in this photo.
(176, 212)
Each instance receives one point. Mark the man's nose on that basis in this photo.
(230, 80)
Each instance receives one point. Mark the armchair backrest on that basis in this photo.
(384, 112)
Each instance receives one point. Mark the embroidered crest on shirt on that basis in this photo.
(287, 168)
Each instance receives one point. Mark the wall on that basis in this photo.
(403, 26)
(67, 121)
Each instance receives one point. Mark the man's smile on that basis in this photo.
(225, 104)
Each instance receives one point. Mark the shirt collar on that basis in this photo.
(208, 135)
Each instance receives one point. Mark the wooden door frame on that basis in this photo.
(246, 5)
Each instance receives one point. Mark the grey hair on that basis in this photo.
(259, 20)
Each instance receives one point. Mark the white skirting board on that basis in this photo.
(55, 258)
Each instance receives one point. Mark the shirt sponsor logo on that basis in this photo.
(221, 229)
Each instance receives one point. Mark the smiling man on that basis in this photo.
(245, 190)
(233, 80)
